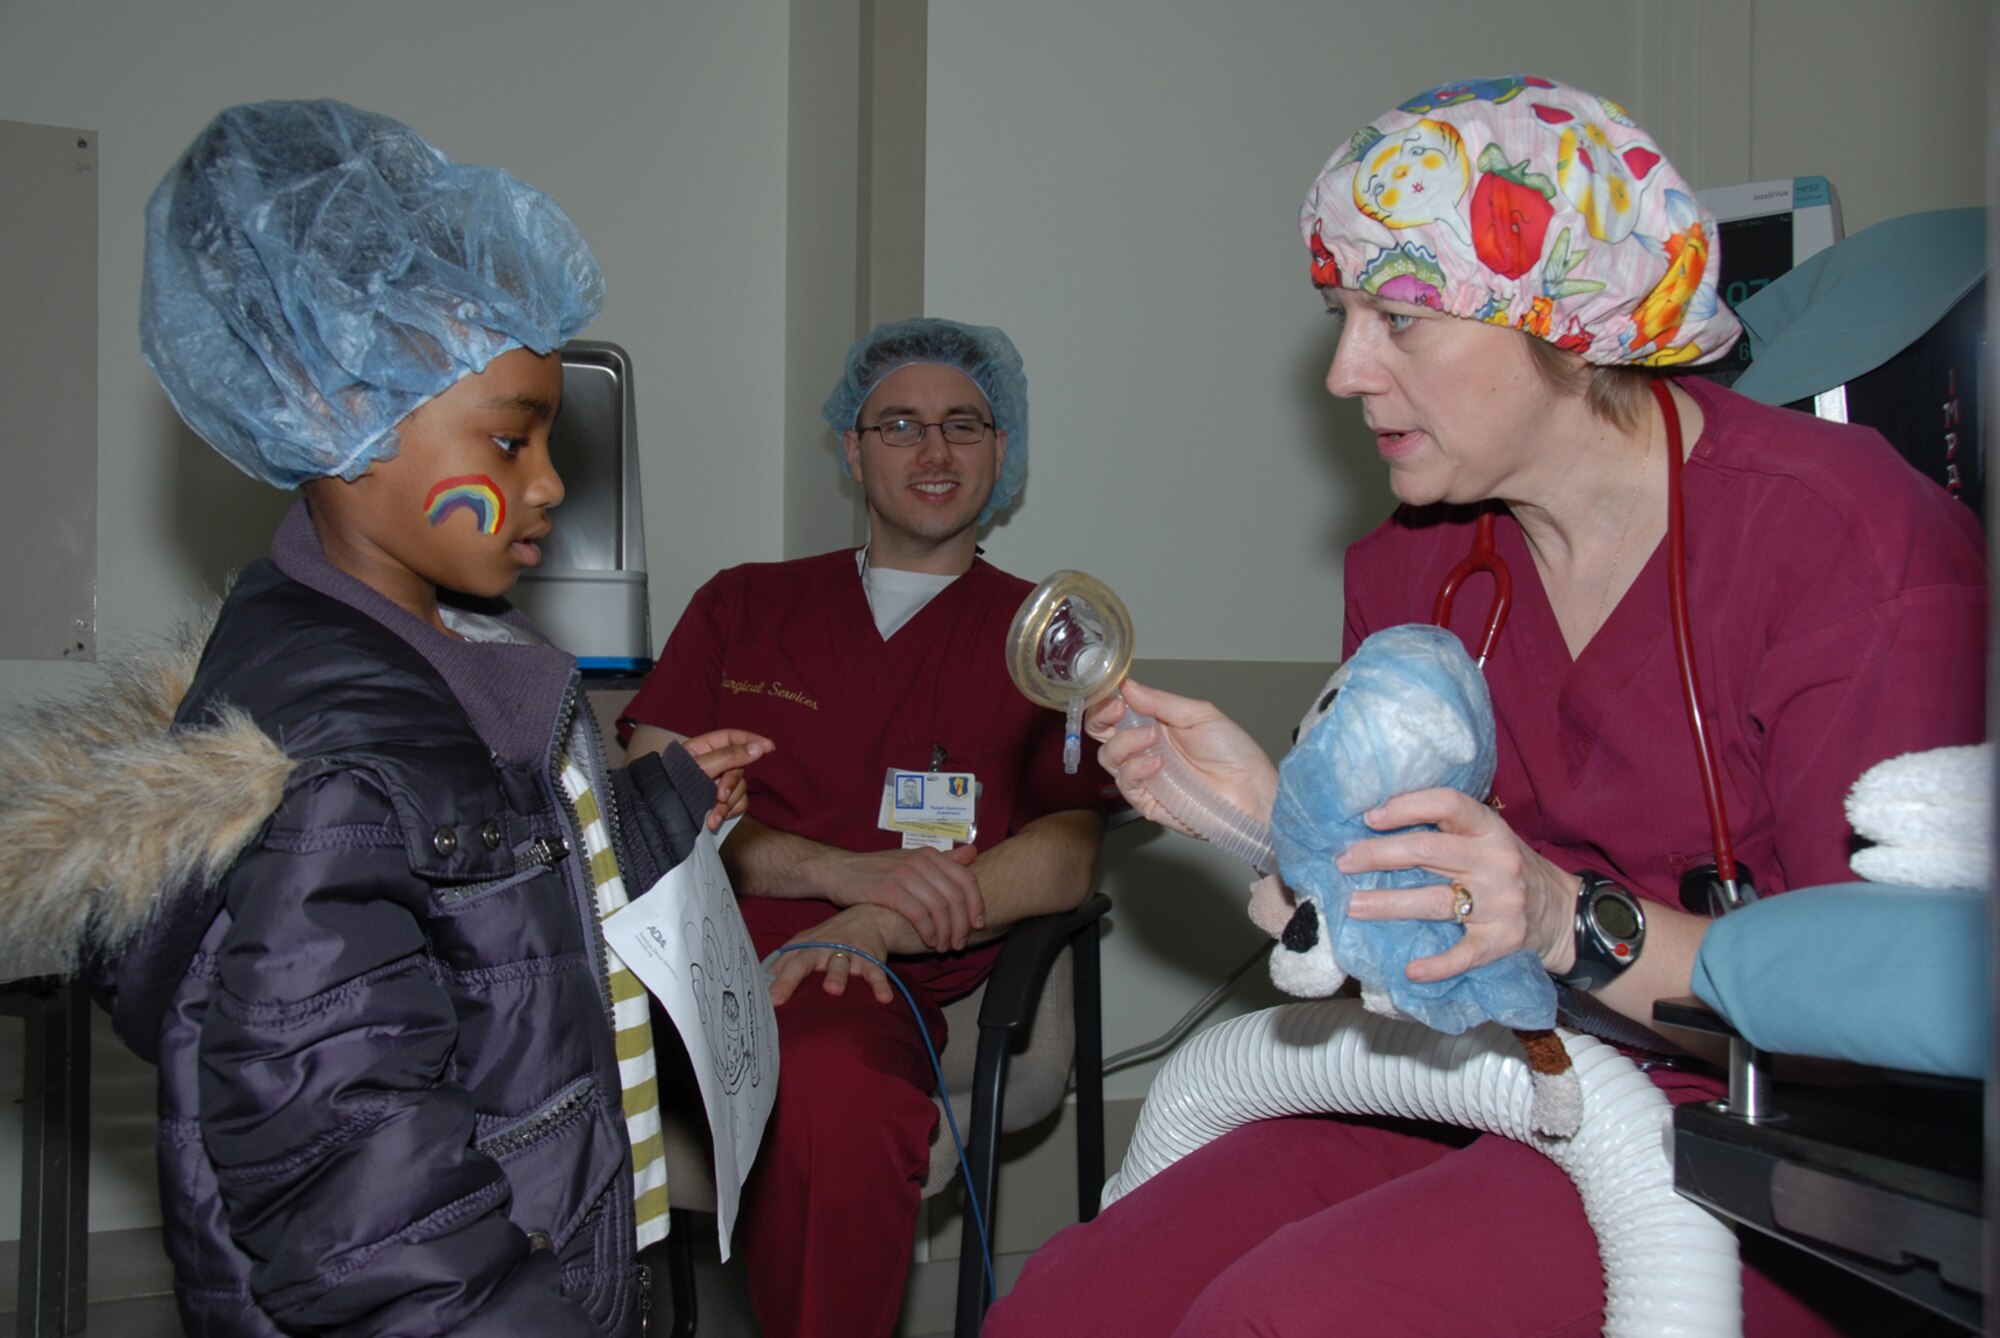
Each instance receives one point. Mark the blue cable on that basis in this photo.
(951, 1121)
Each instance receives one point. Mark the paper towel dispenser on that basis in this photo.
(589, 593)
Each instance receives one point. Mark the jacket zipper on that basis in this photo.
(539, 853)
(593, 769)
(565, 727)
(534, 1129)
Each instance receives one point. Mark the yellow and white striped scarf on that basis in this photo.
(631, 1012)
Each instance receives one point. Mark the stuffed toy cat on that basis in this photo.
(1408, 711)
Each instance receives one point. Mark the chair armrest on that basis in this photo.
(1026, 954)
(1872, 974)
(1691, 1014)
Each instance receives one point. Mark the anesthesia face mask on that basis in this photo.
(1069, 648)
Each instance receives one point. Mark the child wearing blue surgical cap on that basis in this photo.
(353, 912)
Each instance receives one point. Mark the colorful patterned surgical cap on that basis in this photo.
(1523, 202)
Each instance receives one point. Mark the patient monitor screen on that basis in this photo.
(1754, 252)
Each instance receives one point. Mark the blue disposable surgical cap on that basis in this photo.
(314, 272)
(983, 352)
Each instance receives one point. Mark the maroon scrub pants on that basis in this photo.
(1325, 1226)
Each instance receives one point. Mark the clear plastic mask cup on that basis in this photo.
(1069, 648)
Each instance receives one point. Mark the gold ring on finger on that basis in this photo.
(1461, 902)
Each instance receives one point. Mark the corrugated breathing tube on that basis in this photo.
(1670, 1268)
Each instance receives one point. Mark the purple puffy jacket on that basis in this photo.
(389, 1101)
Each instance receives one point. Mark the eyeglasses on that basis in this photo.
(909, 432)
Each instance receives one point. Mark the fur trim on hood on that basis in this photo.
(106, 811)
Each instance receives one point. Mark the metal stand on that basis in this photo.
(1885, 1180)
(55, 1153)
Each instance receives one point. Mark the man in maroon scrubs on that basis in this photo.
(880, 677)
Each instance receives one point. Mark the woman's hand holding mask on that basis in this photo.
(1212, 745)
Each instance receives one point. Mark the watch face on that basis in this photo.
(1614, 916)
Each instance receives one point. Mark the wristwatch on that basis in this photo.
(1610, 930)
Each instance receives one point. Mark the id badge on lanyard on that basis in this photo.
(930, 808)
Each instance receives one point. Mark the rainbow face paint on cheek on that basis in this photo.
(467, 492)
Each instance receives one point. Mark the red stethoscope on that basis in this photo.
(1724, 886)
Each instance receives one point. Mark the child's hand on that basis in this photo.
(722, 754)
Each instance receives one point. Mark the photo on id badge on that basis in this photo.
(935, 808)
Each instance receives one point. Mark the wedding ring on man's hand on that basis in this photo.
(1461, 902)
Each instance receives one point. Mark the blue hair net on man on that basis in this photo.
(983, 352)
(314, 272)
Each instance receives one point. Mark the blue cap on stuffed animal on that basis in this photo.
(1408, 711)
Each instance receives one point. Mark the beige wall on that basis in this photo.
(1888, 102)
(826, 166)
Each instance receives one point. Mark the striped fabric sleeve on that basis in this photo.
(631, 1012)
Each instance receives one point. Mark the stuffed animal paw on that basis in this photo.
(1930, 817)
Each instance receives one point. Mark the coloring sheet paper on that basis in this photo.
(686, 940)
